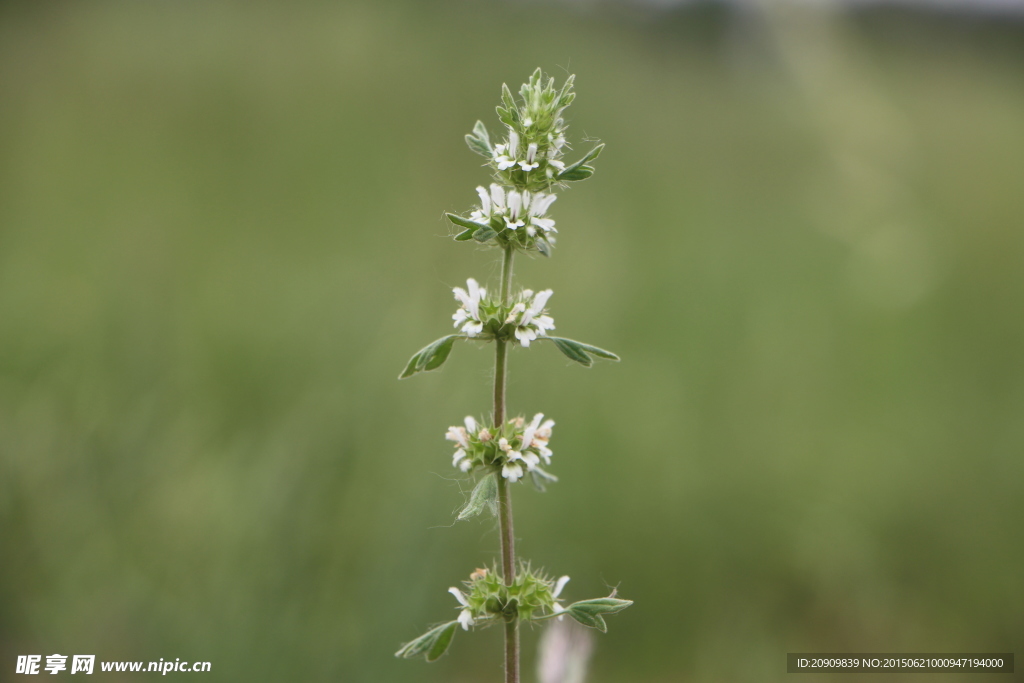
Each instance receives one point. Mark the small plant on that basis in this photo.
(512, 217)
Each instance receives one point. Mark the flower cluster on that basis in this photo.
(523, 213)
(486, 598)
(513, 447)
(530, 156)
(481, 317)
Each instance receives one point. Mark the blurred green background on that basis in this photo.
(222, 236)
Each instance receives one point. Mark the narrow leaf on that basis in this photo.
(572, 350)
(442, 641)
(591, 620)
(484, 234)
(430, 357)
(599, 352)
(579, 170)
(601, 606)
(465, 235)
(543, 247)
(426, 642)
(577, 173)
(484, 496)
(465, 222)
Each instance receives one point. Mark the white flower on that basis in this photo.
(505, 153)
(461, 436)
(531, 155)
(557, 607)
(536, 435)
(468, 314)
(529, 321)
(539, 204)
(515, 209)
(458, 435)
(512, 471)
(465, 616)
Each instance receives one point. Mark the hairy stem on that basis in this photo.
(508, 542)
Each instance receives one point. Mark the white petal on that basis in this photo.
(465, 465)
(498, 195)
(559, 586)
(473, 328)
(513, 143)
(515, 204)
(470, 423)
(458, 435)
(512, 472)
(459, 455)
(540, 301)
(466, 619)
(458, 596)
(531, 152)
(485, 200)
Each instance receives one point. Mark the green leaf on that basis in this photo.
(509, 102)
(543, 247)
(479, 141)
(484, 234)
(478, 146)
(577, 173)
(464, 235)
(580, 352)
(433, 643)
(579, 170)
(484, 496)
(442, 641)
(430, 357)
(566, 96)
(480, 130)
(597, 351)
(601, 605)
(591, 620)
(572, 350)
(589, 612)
(465, 222)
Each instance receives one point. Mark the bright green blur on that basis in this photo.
(221, 238)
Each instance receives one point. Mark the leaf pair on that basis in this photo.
(580, 352)
(481, 232)
(580, 170)
(433, 643)
(590, 612)
(430, 357)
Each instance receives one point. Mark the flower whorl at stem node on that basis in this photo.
(486, 318)
(515, 449)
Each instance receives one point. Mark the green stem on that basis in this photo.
(508, 541)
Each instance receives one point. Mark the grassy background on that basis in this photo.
(221, 237)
